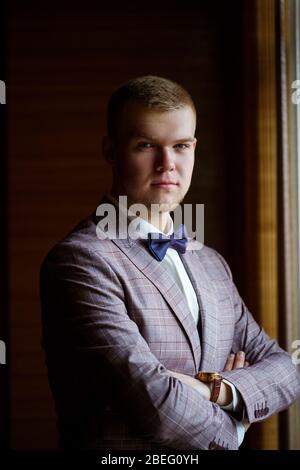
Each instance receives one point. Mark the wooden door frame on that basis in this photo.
(271, 246)
(289, 200)
(260, 177)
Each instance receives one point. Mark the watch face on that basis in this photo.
(209, 376)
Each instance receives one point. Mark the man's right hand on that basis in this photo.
(238, 361)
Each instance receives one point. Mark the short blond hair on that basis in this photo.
(150, 91)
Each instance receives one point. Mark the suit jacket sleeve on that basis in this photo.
(272, 382)
(85, 316)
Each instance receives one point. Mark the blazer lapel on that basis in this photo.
(208, 306)
(137, 252)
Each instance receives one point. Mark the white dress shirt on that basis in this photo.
(173, 264)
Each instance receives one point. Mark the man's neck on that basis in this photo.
(157, 219)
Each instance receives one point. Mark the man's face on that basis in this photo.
(154, 155)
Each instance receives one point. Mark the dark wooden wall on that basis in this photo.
(63, 63)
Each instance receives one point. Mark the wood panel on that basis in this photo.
(261, 183)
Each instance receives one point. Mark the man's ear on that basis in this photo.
(108, 149)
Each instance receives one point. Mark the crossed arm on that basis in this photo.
(85, 314)
(234, 361)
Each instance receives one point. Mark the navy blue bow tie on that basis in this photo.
(158, 243)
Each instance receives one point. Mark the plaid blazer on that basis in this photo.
(114, 322)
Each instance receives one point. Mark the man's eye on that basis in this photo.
(182, 146)
(145, 145)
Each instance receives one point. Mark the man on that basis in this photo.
(135, 329)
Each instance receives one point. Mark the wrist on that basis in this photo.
(213, 380)
(225, 395)
(220, 392)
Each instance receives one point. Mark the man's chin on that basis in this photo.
(167, 206)
(158, 204)
(163, 205)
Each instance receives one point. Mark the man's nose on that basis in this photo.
(165, 160)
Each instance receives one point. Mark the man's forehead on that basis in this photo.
(135, 134)
(157, 107)
(140, 122)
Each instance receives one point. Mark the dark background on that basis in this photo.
(4, 311)
(62, 63)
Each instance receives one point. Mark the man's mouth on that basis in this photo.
(164, 184)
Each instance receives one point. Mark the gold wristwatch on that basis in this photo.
(213, 378)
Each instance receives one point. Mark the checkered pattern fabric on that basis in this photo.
(114, 322)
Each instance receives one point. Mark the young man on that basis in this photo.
(148, 343)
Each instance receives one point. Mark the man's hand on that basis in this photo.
(246, 424)
(236, 361)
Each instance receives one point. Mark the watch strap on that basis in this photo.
(215, 391)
